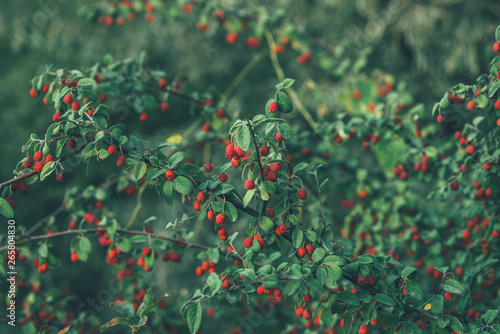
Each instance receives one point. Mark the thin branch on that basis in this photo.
(258, 160)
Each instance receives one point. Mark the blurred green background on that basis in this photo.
(429, 44)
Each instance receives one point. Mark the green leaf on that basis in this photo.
(243, 137)
(319, 254)
(43, 250)
(300, 166)
(385, 299)
(175, 158)
(292, 287)
(284, 102)
(482, 101)
(477, 120)
(248, 197)
(86, 82)
(124, 244)
(5, 208)
(326, 316)
(315, 285)
(453, 286)
(456, 325)
(286, 83)
(168, 191)
(266, 224)
(349, 298)
(490, 316)
(248, 273)
(285, 131)
(194, 314)
(415, 291)
(321, 275)
(214, 282)
(85, 245)
(183, 185)
(270, 281)
(47, 170)
(335, 272)
(334, 260)
(297, 238)
(124, 307)
(139, 170)
(408, 271)
(437, 305)
(444, 103)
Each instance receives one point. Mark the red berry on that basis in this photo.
(363, 329)
(74, 257)
(231, 37)
(440, 118)
(11, 202)
(466, 234)
(301, 251)
(68, 98)
(273, 107)
(270, 212)
(33, 92)
(28, 163)
(448, 297)
(162, 84)
(280, 230)
(170, 175)
(103, 97)
(495, 234)
(199, 271)
(248, 242)
(264, 151)
(220, 219)
(120, 162)
(38, 156)
(207, 168)
(356, 94)
(309, 249)
(223, 177)
(302, 194)
(299, 311)
(49, 158)
(211, 215)
(496, 47)
(71, 143)
(278, 137)
(143, 117)
(75, 105)
(205, 127)
(39, 166)
(112, 149)
(471, 149)
(56, 117)
(249, 184)
(471, 105)
(23, 188)
(197, 206)
(165, 257)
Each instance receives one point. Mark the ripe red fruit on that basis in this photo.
(165, 257)
(23, 188)
(33, 92)
(71, 143)
(262, 242)
(170, 175)
(120, 162)
(223, 177)
(49, 158)
(280, 230)
(374, 323)
(471, 105)
(356, 94)
(249, 184)
(220, 219)
(38, 156)
(278, 137)
(304, 58)
(231, 37)
(363, 329)
(253, 42)
(361, 280)
(264, 151)
(454, 186)
(440, 118)
(306, 314)
(74, 257)
(448, 297)
(199, 271)
(299, 311)
(146, 251)
(363, 193)
(112, 149)
(471, 149)
(309, 249)
(56, 117)
(200, 197)
(273, 107)
(222, 233)
(68, 98)
(162, 84)
(302, 194)
(270, 212)
(466, 234)
(207, 168)
(28, 163)
(487, 166)
(39, 166)
(496, 47)
(211, 215)
(43, 268)
(75, 105)
(11, 202)
(301, 251)
(248, 242)
(495, 234)
(205, 127)
(477, 185)
(197, 206)
(143, 117)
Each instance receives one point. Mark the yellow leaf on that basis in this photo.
(427, 307)
(177, 138)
